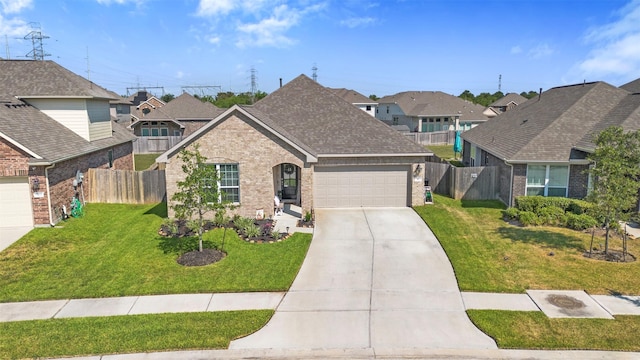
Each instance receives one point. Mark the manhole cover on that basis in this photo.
(565, 302)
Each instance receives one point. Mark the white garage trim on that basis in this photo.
(361, 186)
(15, 202)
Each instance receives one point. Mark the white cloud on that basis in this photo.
(214, 39)
(270, 31)
(179, 74)
(15, 6)
(540, 51)
(357, 22)
(120, 2)
(215, 7)
(14, 27)
(516, 49)
(616, 46)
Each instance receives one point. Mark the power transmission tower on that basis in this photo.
(254, 85)
(315, 72)
(500, 83)
(36, 40)
(138, 88)
(201, 90)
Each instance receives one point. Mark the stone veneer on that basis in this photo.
(237, 139)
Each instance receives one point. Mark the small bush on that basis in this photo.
(510, 214)
(580, 222)
(221, 219)
(276, 235)
(551, 215)
(530, 203)
(579, 207)
(243, 222)
(252, 231)
(528, 218)
(266, 228)
(170, 226)
(307, 216)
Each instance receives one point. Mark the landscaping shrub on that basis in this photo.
(551, 215)
(580, 222)
(528, 218)
(242, 223)
(579, 207)
(510, 214)
(252, 231)
(530, 203)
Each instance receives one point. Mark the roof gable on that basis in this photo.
(509, 99)
(548, 128)
(328, 124)
(46, 79)
(353, 97)
(187, 107)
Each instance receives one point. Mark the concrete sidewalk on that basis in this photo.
(9, 235)
(133, 305)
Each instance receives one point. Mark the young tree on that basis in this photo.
(198, 193)
(614, 176)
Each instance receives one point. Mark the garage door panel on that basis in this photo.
(15, 202)
(361, 186)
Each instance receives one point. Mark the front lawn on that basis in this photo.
(115, 250)
(490, 255)
(534, 330)
(127, 334)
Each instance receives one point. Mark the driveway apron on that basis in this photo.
(373, 278)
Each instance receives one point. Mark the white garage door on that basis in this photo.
(15, 202)
(356, 186)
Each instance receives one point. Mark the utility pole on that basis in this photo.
(36, 40)
(6, 44)
(500, 83)
(88, 68)
(315, 72)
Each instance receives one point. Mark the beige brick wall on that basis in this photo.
(256, 152)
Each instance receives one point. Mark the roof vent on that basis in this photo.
(525, 120)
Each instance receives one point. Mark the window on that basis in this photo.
(145, 131)
(387, 109)
(164, 132)
(368, 107)
(176, 133)
(228, 183)
(395, 120)
(154, 132)
(547, 180)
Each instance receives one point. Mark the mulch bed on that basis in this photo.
(612, 255)
(201, 258)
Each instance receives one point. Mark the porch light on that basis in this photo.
(416, 172)
(35, 183)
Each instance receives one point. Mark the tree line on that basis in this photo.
(485, 98)
(225, 99)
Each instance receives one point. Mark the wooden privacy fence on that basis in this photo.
(154, 144)
(125, 186)
(432, 138)
(466, 183)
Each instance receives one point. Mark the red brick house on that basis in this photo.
(54, 126)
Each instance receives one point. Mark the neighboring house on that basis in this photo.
(360, 101)
(162, 128)
(429, 111)
(541, 147)
(179, 117)
(506, 103)
(309, 147)
(142, 103)
(54, 126)
(120, 109)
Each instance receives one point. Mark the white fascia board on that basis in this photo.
(375, 155)
(19, 146)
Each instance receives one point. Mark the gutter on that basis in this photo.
(376, 155)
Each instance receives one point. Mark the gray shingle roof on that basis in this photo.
(549, 128)
(509, 98)
(187, 107)
(632, 86)
(30, 78)
(352, 96)
(46, 137)
(327, 124)
(434, 103)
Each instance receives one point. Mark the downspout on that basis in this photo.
(46, 178)
(510, 185)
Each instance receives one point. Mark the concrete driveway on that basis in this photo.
(9, 235)
(373, 278)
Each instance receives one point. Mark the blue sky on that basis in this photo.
(375, 47)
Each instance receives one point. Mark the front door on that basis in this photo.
(289, 182)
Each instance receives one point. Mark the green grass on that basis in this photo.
(490, 255)
(127, 334)
(144, 161)
(445, 152)
(114, 250)
(534, 330)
